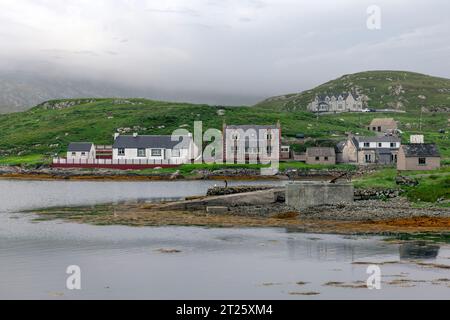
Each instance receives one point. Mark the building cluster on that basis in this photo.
(258, 144)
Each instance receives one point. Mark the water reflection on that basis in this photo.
(418, 250)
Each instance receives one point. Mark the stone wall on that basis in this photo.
(302, 195)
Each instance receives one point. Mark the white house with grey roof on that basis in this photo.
(369, 150)
(164, 149)
(345, 102)
(81, 151)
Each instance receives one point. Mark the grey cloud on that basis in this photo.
(229, 52)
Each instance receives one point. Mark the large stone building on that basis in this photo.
(345, 102)
(251, 143)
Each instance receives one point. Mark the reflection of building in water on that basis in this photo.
(418, 250)
(335, 248)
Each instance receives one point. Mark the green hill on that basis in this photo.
(36, 135)
(400, 90)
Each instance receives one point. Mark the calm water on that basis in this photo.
(124, 262)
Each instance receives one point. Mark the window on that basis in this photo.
(366, 144)
(393, 158)
(269, 150)
(269, 136)
(317, 158)
(379, 129)
(393, 144)
(176, 153)
(380, 145)
(83, 154)
(422, 161)
(326, 158)
(368, 158)
(74, 154)
(121, 151)
(156, 152)
(141, 153)
(374, 129)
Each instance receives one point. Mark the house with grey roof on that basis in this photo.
(251, 143)
(419, 156)
(344, 102)
(320, 155)
(369, 150)
(79, 151)
(145, 148)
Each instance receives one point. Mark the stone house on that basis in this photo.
(383, 125)
(251, 143)
(418, 156)
(345, 102)
(320, 156)
(368, 150)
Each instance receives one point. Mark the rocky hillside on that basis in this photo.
(399, 90)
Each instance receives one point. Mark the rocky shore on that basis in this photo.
(266, 208)
(49, 173)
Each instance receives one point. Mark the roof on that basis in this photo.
(320, 152)
(340, 146)
(345, 95)
(421, 150)
(383, 122)
(138, 142)
(251, 126)
(377, 139)
(80, 147)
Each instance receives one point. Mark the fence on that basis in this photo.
(117, 163)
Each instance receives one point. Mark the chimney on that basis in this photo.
(419, 138)
(135, 135)
(116, 135)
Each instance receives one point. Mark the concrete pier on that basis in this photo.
(306, 194)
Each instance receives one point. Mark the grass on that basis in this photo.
(415, 90)
(30, 160)
(432, 185)
(43, 132)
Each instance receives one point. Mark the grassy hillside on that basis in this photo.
(385, 89)
(36, 135)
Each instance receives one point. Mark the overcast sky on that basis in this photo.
(249, 49)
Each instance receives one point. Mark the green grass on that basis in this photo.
(32, 159)
(433, 185)
(379, 86)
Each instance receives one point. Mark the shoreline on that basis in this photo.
(150, 215)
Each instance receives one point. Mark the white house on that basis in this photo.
(366, 150)
(81, 151)
(346, 102)
(154, 148)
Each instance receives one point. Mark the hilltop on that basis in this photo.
(398, 90)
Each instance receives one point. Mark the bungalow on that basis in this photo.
(154, 148)
(247, 143)
(418, 156)
(367, 150)
(320, 156)
(383, 125)
(81, 151)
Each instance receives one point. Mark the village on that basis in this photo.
(257, 144)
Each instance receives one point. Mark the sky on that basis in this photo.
(222, 51)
